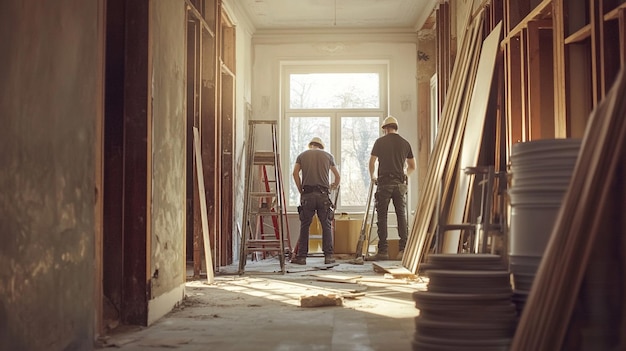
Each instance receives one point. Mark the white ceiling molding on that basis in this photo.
(339, 15)
(282, 36)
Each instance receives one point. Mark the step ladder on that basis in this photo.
(264, 200)
(269, 183)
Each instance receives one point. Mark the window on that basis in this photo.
(343, 105)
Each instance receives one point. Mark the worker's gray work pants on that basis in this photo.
(384, 194)
(310, 204)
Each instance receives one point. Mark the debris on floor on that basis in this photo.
(320, 300)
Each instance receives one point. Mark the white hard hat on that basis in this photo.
(318, 141)
(390, 120)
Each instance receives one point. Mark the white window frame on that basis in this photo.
(288, 68)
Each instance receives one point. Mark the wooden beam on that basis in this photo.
(525, 86)
(541, 11)
(579, 35)
(559, 60)
(514, 105)
(137, 176)
(540, 80)
(595, 18)
(622, 36)
(615, 13)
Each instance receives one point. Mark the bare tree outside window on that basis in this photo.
(334, 90)
(344, 109)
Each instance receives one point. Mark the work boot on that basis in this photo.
(380, 256)
(298, 260)
(328, 259)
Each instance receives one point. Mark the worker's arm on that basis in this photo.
(411, 166)
(337, 177)
(296, 177)
(372, 167)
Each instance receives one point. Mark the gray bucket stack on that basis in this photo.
(541, 171)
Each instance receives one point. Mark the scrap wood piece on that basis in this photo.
(383, 280)
(336, 278)
(320, 300)
(339, 287)
(393, 268)
(314, 268)
(352, 295)
(166, 342)
(326, 266)
(407, 276)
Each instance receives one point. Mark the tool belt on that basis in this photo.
(307, 189)
(388, 179)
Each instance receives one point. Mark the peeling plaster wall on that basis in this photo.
(168, 35)
(48, 106)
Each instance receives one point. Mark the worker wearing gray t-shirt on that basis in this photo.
(311, 174)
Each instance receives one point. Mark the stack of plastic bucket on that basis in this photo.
(541, 171)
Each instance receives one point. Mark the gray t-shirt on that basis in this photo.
(315, 166)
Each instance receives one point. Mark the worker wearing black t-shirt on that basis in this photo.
(392, 152)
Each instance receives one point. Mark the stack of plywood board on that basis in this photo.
(457, 144)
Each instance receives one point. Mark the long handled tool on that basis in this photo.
(364, 234)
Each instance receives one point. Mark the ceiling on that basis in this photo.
(337, 14)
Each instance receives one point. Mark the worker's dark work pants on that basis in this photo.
(385, 193)
(310, 204)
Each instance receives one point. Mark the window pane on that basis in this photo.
(357, 139)
(334, 90)
(301, 131)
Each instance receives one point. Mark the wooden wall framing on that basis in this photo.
(211, 107)
(574, 49)
(558, 60)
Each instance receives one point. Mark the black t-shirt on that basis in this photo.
(392, 151)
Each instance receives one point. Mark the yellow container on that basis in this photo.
(347, 231)
(315, 236)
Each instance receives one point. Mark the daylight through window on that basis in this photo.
(344, 108)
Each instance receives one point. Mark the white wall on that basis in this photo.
(258, 58)
(398, 49)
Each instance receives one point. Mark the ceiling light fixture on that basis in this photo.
(335, 23)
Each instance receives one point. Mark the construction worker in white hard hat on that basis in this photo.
(395, 163)
(314, 187)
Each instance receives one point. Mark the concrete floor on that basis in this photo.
(260, 310)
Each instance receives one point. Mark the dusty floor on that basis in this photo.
(261, 310)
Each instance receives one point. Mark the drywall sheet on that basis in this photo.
(473, 133)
